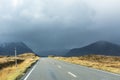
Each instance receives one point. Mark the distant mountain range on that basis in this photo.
(9, 48)
(99, 47)
(56, 52)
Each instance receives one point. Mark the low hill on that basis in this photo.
(9, 48)
(99, 47)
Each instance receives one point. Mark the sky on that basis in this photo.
(59, 24)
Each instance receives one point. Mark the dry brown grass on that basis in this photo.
(107, 63)
(11, 72)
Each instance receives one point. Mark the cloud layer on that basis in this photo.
(54, 24)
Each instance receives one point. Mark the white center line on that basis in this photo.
(59, 66)
(72, 74)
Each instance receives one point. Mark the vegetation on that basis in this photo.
(8, 70)
(107, 63)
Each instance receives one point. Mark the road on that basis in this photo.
(50, 69)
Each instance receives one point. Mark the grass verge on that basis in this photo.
(107, 63)
(11, 72)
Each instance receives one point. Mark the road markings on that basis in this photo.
(101, 71)
(105, 72)
(72, 74)
(59, 66)
(30, 72)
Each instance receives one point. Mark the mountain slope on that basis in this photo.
(57, 52)
(8, 48)
(99, 47)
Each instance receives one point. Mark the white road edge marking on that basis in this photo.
(72, 74)
(30, 72)
(59, 66)
(101, 71)
(105, 72)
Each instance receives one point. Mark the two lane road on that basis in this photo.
(50, 69)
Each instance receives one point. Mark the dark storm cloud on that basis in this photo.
(56, 24)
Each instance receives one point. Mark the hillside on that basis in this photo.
(99, 47)
(58, 52)
(8, 48)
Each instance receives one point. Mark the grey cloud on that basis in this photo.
(57, 24)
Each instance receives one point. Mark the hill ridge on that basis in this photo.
(8, 48)
(98, 47)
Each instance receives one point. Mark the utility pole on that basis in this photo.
(15, 57)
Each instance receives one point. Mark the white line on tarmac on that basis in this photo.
(30, 72)
(72, 74)
(59, 66)
(102, 71)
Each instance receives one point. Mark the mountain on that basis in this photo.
(99, 47)
(56, 52)
(9, 48)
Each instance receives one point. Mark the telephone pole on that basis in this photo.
(15, 57)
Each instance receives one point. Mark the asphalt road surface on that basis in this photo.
(50, 69)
